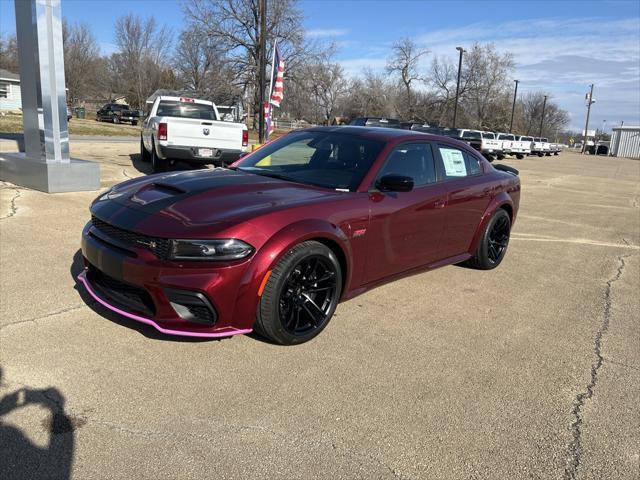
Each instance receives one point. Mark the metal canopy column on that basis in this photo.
(45, 165)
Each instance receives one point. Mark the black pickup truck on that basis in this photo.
(118, 113)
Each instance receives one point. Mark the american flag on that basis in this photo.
(277, 77)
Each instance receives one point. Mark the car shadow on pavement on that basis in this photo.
(174, 166)
(19, 456)
(77, 266)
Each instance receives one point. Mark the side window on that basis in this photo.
(413, 160)
(458, 164)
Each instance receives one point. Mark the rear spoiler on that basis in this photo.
(506, 168)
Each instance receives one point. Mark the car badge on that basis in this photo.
(205, 131)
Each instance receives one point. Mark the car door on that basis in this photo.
(468, 196)
(405, 227)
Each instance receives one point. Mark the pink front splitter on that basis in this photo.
(228, 333)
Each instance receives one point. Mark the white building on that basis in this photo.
(10, 98)
(625, 142)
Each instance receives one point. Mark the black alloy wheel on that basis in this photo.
(498, 239)
(300, 295)
(493, 243)
(308, 295)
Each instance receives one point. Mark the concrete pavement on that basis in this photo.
(528, 371)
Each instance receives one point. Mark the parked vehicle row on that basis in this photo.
(492, 145)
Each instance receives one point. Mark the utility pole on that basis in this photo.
(513, 108)
(455, 107)
(586, 125)
(544, 106)
(261, 67)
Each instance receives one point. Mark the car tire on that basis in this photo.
(541, 154)
(519, 157)
(144, 154)
(115, 119)
(134, 123)
(493, 243)
(158, 164)
(300, 295)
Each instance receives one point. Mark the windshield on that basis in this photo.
(471, 135)
(325, 159)
(173, 108)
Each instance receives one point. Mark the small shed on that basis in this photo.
(625, 142)
(10, 97)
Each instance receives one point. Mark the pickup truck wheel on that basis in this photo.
(134, 123)
(116, 119)
(157, 164)
(144, 155)
(519, 156)
(300, 295)
(541, 154)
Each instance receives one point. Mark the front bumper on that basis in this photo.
(158, 281)
(220, 157)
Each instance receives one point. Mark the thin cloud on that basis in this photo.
(327, 32)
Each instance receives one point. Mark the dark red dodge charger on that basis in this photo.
(277, 240)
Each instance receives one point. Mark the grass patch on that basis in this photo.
(88, 126)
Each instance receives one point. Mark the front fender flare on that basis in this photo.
(272, 251)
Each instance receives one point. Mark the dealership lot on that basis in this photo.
(530, 370)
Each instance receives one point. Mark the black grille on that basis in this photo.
(124, 294)
(202, 313)
(159, 246)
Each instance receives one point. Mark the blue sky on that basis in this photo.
(559, 46)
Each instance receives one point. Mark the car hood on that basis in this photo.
(208, 197)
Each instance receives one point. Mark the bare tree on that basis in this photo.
(328, 85)
(81, 54)
(486, 86)
(9, 53)
(404, 60)
(530, 114)
(235, 26)
(139, 67)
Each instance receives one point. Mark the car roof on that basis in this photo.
(389, 135)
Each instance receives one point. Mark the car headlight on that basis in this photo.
(222, 249)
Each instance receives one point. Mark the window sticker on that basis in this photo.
(453, 160)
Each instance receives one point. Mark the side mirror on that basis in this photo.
(395, 183)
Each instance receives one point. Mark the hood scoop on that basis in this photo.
(155, 192)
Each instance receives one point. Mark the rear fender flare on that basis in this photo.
(269, 255)
(497, 202)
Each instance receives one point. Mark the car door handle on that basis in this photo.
(440, 203)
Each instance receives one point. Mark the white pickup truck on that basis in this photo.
(541, 147)
(188, 129)
(489, 147)
(515, 145)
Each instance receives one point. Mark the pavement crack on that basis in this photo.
(46, 315)
(124, 173)
(13, 208)
(574, 454)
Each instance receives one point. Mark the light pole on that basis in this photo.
(544, 106)
(455, 107)
(586, 125)
(513, 108)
